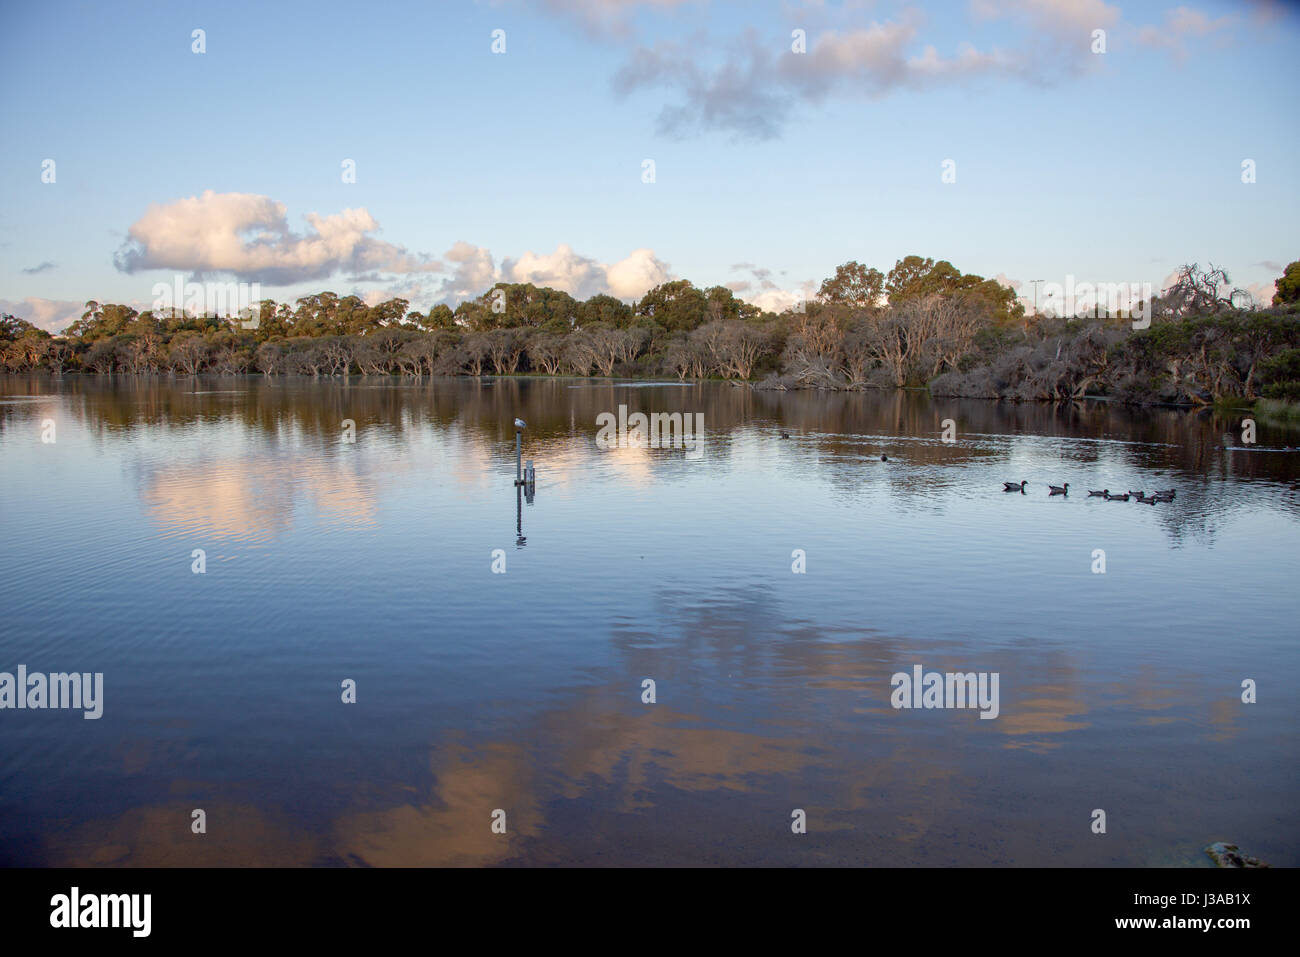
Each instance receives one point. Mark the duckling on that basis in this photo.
(1092, 494)
(1014, 486)
(1060, 489)
(1117, 498)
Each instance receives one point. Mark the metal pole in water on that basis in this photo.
(520, 425)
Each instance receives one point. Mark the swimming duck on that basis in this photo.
(1092, 494)
(1014, 486)
(884, 458)
(1060, 489)
(785, 435)
(1117, 498)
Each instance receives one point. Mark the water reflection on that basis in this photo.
(840, 436)
(372, 560)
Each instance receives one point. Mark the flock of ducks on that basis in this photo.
(1166, 495)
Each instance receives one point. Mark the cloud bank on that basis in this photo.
(52, 315)
(752, 90)
(474, 270)
(247, 236)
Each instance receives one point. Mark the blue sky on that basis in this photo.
(771, 166)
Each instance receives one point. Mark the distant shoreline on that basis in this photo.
(1280, 411)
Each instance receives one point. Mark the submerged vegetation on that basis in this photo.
(924, 324)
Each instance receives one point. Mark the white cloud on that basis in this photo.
(52, 315)
(636, 275)
(779, 300)
(474, 271)
(1263, 292)
(563, 269)
(249, 236)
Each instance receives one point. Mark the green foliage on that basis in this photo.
(853, 285)
(677, 306)
(1281, 375)
(12, 328)
(439, 317)
(1288, 287)
(916, 278)
(516, 305)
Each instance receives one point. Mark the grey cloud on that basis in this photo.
(752, 89)
(738, 96)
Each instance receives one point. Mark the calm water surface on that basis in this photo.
(328, 560)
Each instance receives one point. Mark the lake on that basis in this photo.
(221, 552)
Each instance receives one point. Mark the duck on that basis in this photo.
(1014, 486)
(1142, 497)
(884, 458)
(1161, 497)
(1167, 493)
(1092, 494)
(785, 435)
(1117, 498)
(1060, 489)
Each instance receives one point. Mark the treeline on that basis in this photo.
(924, 323)
(676, 328)
(1193, 360)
